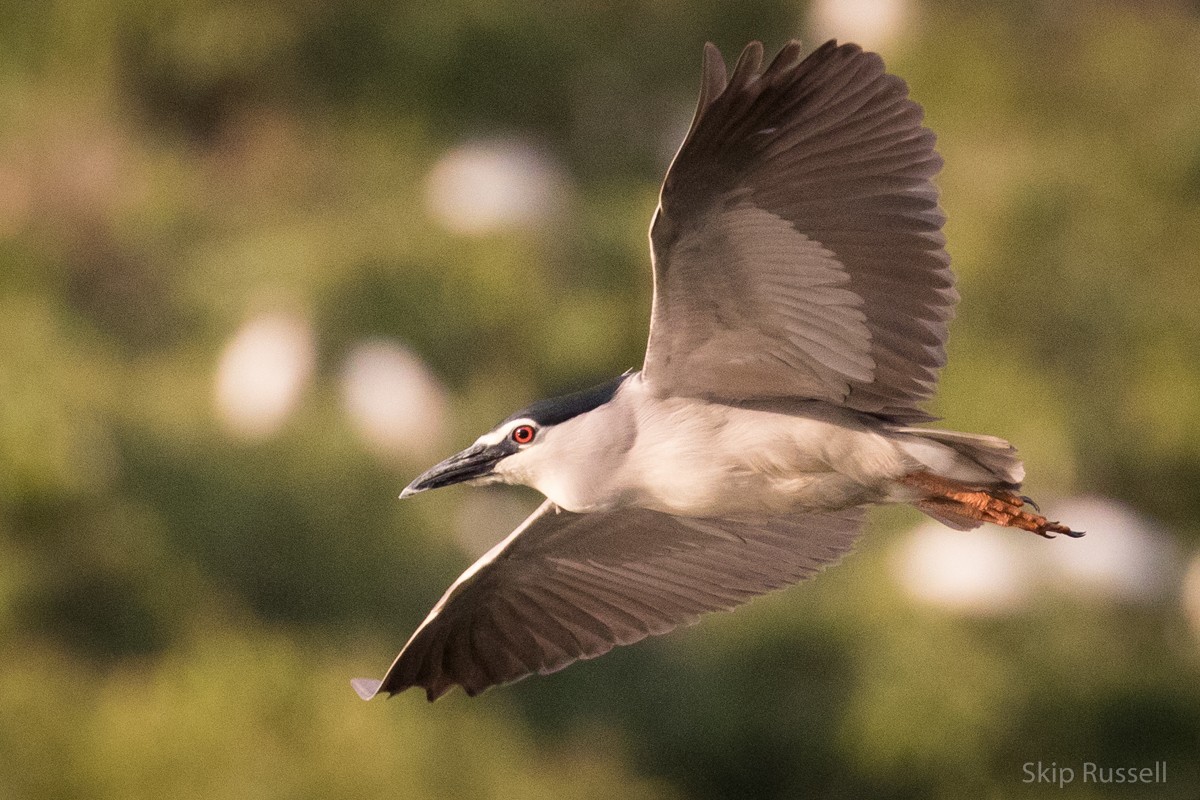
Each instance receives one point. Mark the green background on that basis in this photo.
(182, 607)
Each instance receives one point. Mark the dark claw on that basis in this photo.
(1027, 500)
(1058, 528)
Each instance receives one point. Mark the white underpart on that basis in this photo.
(688, 457)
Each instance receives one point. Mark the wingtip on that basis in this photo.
(714, 77)
(366, 688)
(437, 688)
(788, 57)
(752, 55)
(748, 66)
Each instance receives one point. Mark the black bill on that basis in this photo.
(476, 461)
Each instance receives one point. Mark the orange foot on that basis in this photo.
(997, 506)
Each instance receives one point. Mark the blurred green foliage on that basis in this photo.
(181, 609)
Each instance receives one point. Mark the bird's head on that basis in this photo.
(479, 463)
(506, 453)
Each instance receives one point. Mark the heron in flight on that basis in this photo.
(801, 298)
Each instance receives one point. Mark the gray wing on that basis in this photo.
(797, 244)
(567, 586)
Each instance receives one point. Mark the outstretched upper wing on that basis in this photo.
(566, 586)
(797, 244)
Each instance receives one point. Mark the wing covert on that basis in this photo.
(797, 245)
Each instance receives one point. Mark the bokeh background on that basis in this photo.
(262, 262)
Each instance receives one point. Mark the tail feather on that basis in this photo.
(994, 455)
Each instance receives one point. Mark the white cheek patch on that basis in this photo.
(500, 434)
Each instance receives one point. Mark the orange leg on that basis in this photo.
(997, 506)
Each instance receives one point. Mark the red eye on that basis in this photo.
(523, 434)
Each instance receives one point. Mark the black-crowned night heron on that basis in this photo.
(801, 298)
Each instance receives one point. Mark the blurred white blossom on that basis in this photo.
(980, 572)
(1191, 594)
(397, 405)
(874, 24)
(1124, 557)
(261, 373)
(481, 187)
